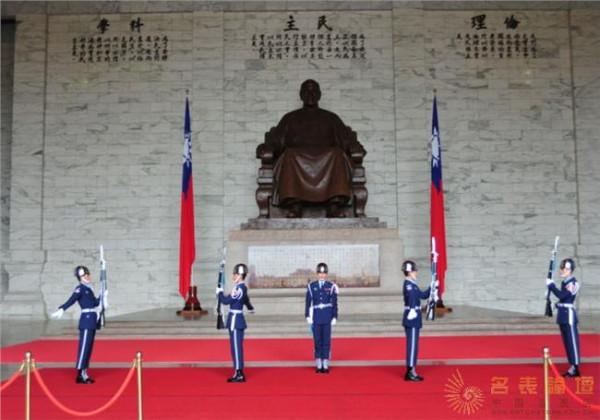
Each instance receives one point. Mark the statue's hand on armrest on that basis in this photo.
(357, 152)
(264, 152)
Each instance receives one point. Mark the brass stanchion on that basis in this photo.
(546, 391)
(138, 364)
(27, 385)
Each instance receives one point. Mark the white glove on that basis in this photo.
(436, 284)
(219, 290)
(412, 314)
(333, 321)
(58, 314)
(309, 320)
(548, 281)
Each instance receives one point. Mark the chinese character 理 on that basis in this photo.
(478, 22)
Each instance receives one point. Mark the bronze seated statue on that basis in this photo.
(311, 162)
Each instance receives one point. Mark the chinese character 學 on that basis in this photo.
(511, 22)
(291, 25)
(499, 385)
(136, 25)
(103, 25)
(323, 23)
(478, 22)
(528, 385)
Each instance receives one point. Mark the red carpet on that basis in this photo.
(300, 349)
(448, 392)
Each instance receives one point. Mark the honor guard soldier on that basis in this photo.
(411, 319)
(566, 317)
(321, 313)
(236, 323)
(84, 295)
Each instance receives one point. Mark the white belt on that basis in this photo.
(408, 308)
(323, 305)
(88, 310)
(565, 305)
(235, 311)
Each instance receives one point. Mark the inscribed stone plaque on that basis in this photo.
(283, 266)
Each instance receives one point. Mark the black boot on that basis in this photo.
(573, 372)
(83, 379)
(412, 376)
(238, 377)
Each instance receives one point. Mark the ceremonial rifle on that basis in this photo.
(432, 288)
(549, 277)
(221, 284)
(103, 289)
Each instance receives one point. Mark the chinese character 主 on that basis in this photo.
(499, 385)
(291, 25)
(478, 22)
(136, 25)
(528, 385)
(511, 22)
(103, 25)
(323, 23)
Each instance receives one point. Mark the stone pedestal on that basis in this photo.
(363, 255)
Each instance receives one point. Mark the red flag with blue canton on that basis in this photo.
(438, 224)
(187, 238)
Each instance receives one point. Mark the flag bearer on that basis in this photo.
(411, 319)
(236, 324)
(84, 295)
(566, 317)
(321, 313)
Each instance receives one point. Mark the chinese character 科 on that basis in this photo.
(528, 385)
(585, 385)
(499, 385)
(511, 22)
(323, 22)
(136, 25)
(103, 25)
(291, 25)
(478, 22)
(556, 386)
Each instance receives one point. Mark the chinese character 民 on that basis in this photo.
(291, 25)
(103, 25)
(136, 25)
(511, 22)
(478, 22)
(528, 385)
(323, 23)
(499, 385)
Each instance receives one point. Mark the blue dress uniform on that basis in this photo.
(84, 295)
(321, 306)
(566, 318)
(236, 324)
(412, 305)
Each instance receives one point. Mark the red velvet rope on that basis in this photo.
(571, 393)
(84, 413)
(12, 378)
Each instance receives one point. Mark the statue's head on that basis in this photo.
(310, 93)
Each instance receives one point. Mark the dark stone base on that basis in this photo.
(313, 223)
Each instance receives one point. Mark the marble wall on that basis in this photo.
(96, 153)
